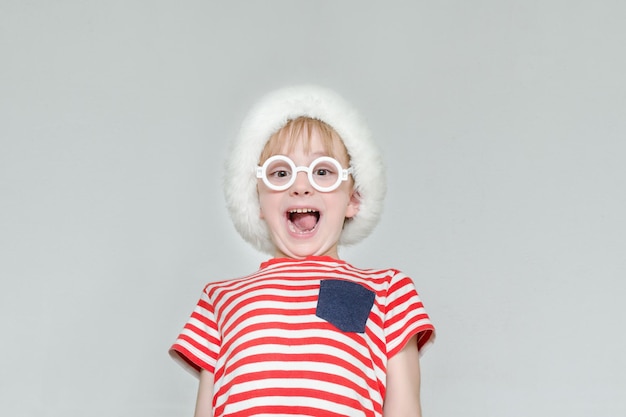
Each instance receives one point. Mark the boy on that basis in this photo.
(307, 334)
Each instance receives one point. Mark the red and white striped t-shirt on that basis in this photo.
(275, 344)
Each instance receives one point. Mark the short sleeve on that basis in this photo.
(405, 316)
(199, 342)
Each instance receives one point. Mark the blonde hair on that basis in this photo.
(302, 128)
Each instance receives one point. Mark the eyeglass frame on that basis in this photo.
(261, 173)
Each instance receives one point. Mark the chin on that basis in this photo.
(303, 252)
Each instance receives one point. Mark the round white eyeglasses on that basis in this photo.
(325, 173)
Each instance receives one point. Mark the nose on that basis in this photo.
(301, 185)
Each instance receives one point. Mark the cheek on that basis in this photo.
(267, 204)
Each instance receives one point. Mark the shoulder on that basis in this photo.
(383, 276)
(231, 283)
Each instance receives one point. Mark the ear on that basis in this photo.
(353, 205)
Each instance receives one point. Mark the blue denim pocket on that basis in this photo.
(344, 304)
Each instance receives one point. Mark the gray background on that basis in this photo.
(503, 125)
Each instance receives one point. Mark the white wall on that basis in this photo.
(503, 124)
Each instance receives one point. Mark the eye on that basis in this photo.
(278, 170)
(322, 172)
(324, 169)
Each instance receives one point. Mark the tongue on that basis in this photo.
(304, 221)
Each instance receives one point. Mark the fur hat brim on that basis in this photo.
(268, 116)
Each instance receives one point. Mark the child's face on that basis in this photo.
(317, 228)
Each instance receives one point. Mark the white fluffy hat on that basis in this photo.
(268, 116)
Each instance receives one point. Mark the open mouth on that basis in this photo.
(303, 220)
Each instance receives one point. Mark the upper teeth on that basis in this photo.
(302, 210)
